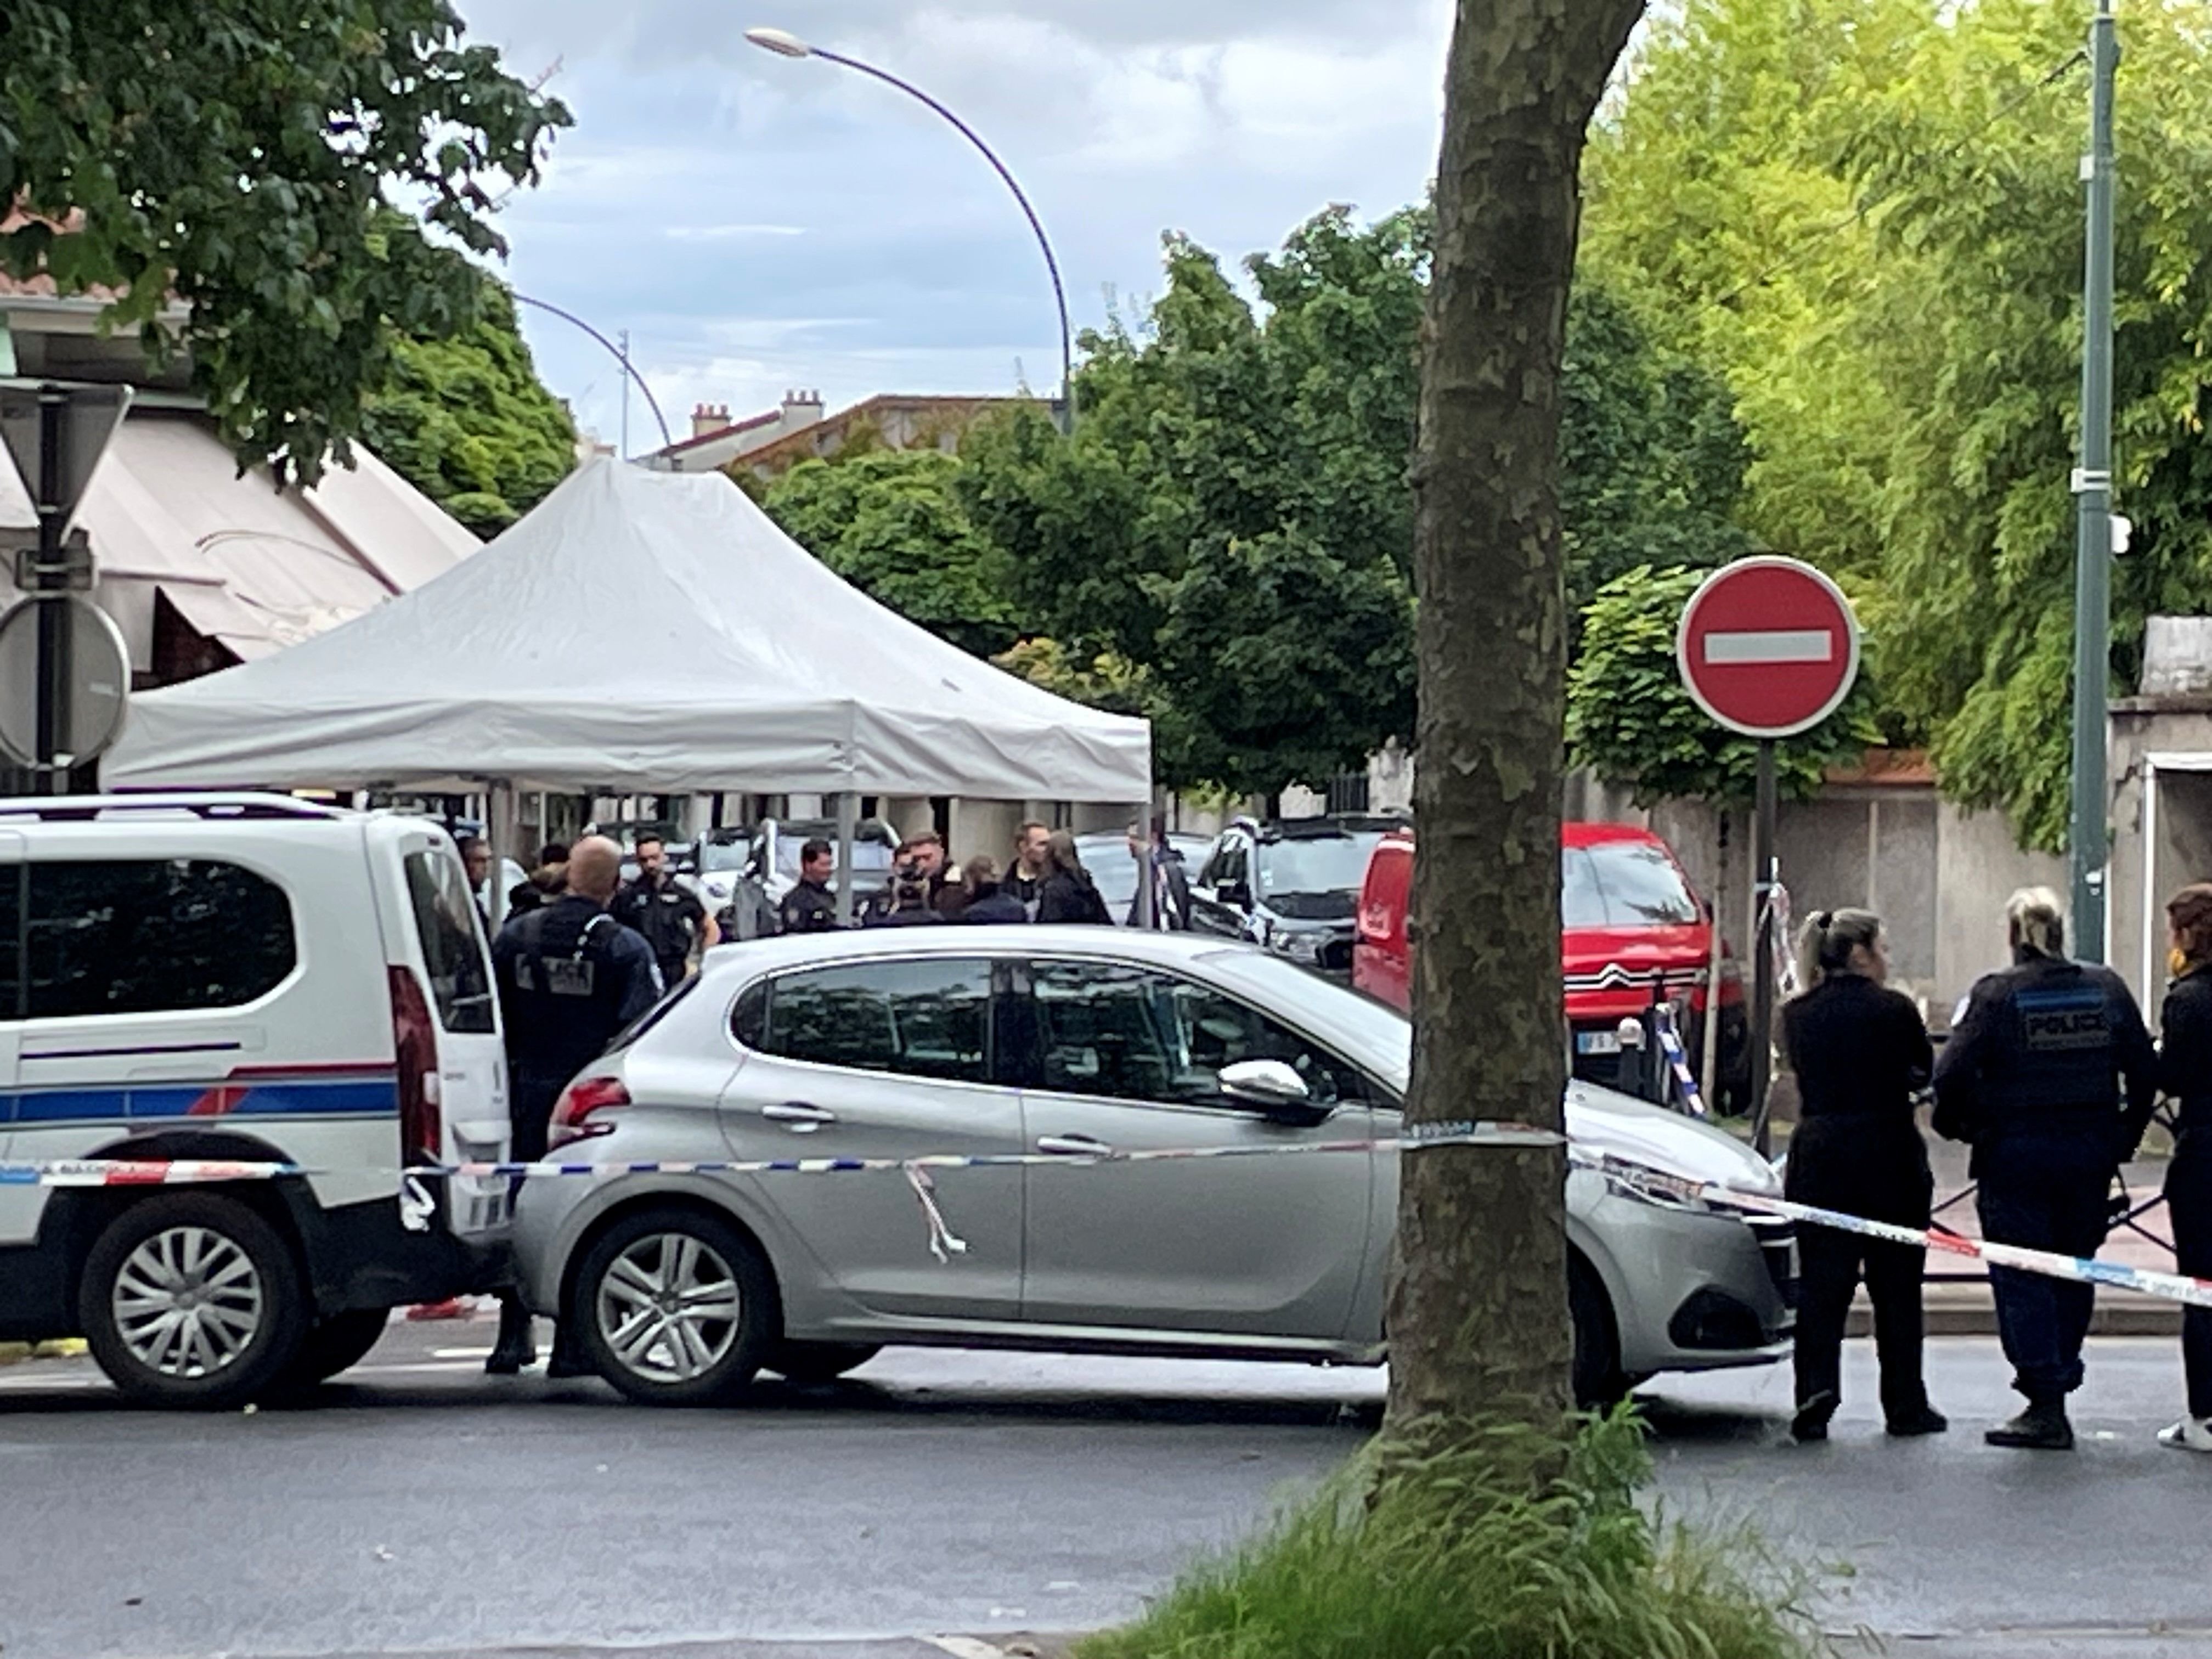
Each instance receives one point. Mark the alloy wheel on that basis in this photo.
(669, 1308)
(188, 1301)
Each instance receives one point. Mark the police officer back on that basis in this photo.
(570, 977)
(810, 906)
(1860, 1053)
(2032, 1077)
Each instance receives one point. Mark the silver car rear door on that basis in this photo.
(884, 1058)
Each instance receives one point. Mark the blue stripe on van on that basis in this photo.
(357, 1094)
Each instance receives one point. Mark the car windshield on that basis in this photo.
(1372, 1034)
(1111, 867)
(1316, 864)
(1622, 884)
(722, 855)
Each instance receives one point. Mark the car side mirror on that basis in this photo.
(1275, 1087)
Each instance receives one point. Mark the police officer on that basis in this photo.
(811, 908)
(669, 916)
(2032, 1077)
(2185, 1066)
(1860, 1053)
(570, 977)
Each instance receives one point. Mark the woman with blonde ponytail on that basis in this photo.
(1860, 1052)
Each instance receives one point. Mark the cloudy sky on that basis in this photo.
(759, 224)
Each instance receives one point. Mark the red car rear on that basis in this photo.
(1629, 924)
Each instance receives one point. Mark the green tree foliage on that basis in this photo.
(890, 522)
(1234, 515)
(1867, 214)
(236, 156)
(1631, 722)
(466, 421)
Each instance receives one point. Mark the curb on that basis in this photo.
(1966, 1309)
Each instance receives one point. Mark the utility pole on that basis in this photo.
(622, 453)
(2089, 836)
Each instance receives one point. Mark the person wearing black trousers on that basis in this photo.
(1860, 1051)
(2185, 1074)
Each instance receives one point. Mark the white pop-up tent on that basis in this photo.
(636, 632)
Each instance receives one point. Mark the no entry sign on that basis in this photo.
(1768, 646)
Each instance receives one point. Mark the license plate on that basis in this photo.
(1597, 1043)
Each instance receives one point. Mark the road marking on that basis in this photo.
(1771, 644)
(965, 1647)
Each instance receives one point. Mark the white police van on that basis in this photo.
(247, 977)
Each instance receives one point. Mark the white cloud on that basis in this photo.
(728, 233)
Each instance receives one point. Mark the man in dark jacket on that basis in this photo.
(811, 906)
(669, 914)
(570, 978)
(2032, 1077)
(987, 901)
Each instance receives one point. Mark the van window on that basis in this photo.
(452, 948)
(143, 936)
(11, 928)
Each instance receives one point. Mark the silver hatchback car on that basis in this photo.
(1070, 1042)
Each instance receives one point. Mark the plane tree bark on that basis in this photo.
(1477, 1321)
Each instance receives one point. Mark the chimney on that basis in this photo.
(708, 417)
(800, 409)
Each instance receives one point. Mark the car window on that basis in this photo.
(1316, 864)
(1622, 884)
(134, 936)
(1134, 1034)
(452, 946)
(927, 1019)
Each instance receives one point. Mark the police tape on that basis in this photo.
(1670, 1045)
(2051, 1264)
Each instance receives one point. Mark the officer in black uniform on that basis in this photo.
(2032, 1077)
(2185, 1065)
(570, 977)
(811, 906)
(669, 916)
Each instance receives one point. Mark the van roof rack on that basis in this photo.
(86, 809)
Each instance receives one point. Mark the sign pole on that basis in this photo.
(53, 671)
(1762, 975)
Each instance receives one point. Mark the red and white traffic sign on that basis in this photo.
(1768, 646)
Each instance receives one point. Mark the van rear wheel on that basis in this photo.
(191, 1299)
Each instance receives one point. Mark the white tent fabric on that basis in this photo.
(637, 631)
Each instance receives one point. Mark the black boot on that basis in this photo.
(1811, 1422)
(1922, 1418)
(2042, 1427)
(515, 1347)
(568, 1359)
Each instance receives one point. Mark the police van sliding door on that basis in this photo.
(19, 1202)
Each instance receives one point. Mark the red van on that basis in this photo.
(1628, 919)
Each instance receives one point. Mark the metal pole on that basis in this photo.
(2089, 836)
(1066, 411)
(1762, 967)
(848, 825)
(625, 337)
(53, 710)
(619, 353)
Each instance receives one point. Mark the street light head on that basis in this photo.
(782, 42)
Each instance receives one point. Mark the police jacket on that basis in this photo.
(1859, 1052)
(992, 902)
(808, 908)
(2184, 1059)
(570, 978)
(670, 917)
(2043, 1047)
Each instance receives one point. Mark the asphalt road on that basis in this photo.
(420, 1507)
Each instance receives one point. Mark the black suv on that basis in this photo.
(1291, 885)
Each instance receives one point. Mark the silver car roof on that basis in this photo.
(750, 957)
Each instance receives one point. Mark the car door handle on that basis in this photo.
(803, 1118)
(1075, 1146)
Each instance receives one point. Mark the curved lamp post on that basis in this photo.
(785, 44)
(667, 440)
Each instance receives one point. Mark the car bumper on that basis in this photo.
(1693, 1288)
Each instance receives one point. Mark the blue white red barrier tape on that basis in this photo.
(2082, 1270)
(1670, 1045)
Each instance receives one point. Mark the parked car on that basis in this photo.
(1114, 868)
(1067, 1041)
(721, 856)
(252, 978)
(1631, 928)
(1292, 887)
(771, 869)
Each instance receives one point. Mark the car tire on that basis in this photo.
(334, 1345)
(191, 1299)
(636, 1276)
(809, 1364)
(1599, 1382)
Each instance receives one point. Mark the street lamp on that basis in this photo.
(619, 356)
(784, 43)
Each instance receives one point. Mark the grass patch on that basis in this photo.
(1463, 1554)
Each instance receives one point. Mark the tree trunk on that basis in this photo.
(1478, 1315)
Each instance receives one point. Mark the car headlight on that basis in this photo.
(1300, 947)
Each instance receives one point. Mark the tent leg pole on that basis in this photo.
(848, 825)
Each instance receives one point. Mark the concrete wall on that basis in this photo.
(2161, 760)
(1978, 866)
